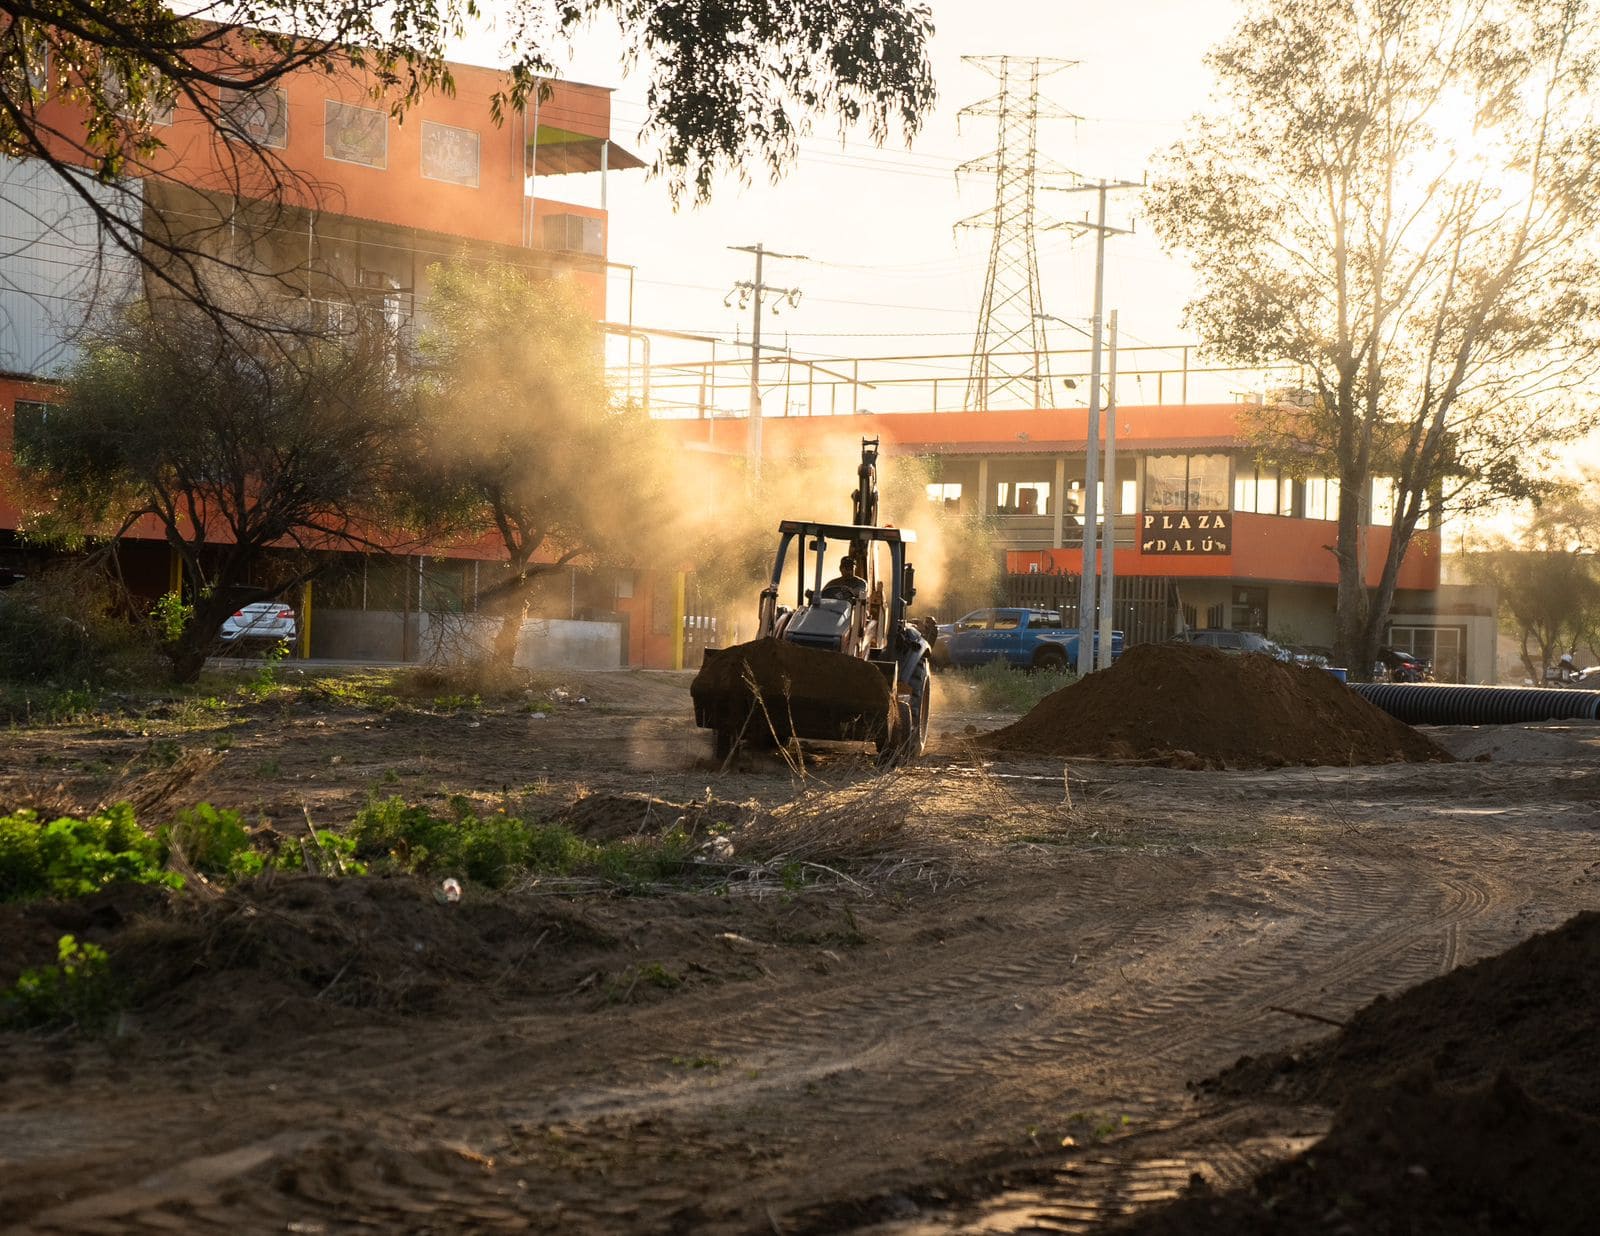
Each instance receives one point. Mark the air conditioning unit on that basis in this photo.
(574, 234)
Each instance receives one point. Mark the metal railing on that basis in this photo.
(817, 386)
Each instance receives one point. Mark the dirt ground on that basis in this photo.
(994, 1018)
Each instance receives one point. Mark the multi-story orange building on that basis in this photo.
(354, 209)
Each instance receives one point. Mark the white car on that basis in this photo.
(265, 622)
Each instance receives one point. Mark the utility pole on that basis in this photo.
(1087, 608)
(753, 293)
(1108, 530)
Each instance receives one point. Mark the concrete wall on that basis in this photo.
(1300, 614)
(388, 635)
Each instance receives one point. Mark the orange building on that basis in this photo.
(355, 210)
(1200, 527)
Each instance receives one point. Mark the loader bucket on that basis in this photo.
(770, 689)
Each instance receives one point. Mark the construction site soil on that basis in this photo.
(1192, 707)
(970, 995)
(764, 685)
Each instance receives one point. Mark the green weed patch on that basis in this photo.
(73, 858)
(497, 849)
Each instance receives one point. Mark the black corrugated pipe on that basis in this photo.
(1441, 704)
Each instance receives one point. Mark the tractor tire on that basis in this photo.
(910, 737)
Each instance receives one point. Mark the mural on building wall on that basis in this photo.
(450, 154)
(262, 115)
(355, 134)
(1186, 532)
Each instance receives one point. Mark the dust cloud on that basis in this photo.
(734, 521)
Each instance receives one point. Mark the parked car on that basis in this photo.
(1024, 638)
(1236, 643)
(260, 622)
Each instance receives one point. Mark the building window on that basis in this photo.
(450, 154)
(945, 494)
(29, 423)
(1445, 647)
(1384, 492)
(1023, 498)
(260, 116)
(26, 60)
(1186, 482)
(1249, 611)
(158, 100)
(1262, 491)
(1322, 497)
(355, 134)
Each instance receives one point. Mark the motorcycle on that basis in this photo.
(1394, 665)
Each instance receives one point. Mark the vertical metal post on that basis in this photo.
(305, 620)
(1086, 603)
(1108, 535)
(678, 611)
(1060, 498)
(755, 377)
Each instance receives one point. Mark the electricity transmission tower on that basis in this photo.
(1010, 360)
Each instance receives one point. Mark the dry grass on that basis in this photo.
(483, 678)
(147, 791)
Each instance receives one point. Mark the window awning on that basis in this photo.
(560, 151)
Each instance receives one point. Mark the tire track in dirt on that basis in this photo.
(910, 1042)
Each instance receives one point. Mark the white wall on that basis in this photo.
(55, 265)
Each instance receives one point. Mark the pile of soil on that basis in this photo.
(290, 954)
(1198, 708)
(1464, 1106)
(1532, 1009)
(788, 675)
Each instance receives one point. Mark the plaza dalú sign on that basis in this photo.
(1186, 532)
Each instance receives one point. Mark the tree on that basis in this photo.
(1548, 579)
(730, 83)
(523, 440)
(233, 445)
(1401, 197)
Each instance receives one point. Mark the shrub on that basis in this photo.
(78, 990)
(214, 841)
(63, 628)
(73, 858)
(996, 687)
(494, 850)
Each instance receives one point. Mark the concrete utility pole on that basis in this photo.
(1087, 607)
(1108, 529)
(753, 292)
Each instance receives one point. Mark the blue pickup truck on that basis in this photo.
(1025, 638)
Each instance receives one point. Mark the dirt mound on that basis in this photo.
(287, 955)
(793, 682)
(1199, 708)
(611, 817)
(1462, 1108)
(1532, 1009)
(1416, 1160)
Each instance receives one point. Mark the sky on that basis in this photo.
(888, 273)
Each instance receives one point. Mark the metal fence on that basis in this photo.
(1144, 609)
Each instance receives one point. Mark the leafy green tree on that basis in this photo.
(1401, 196)
(1548, 578)
(234, 444)
(731, 84)
(523, 440)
